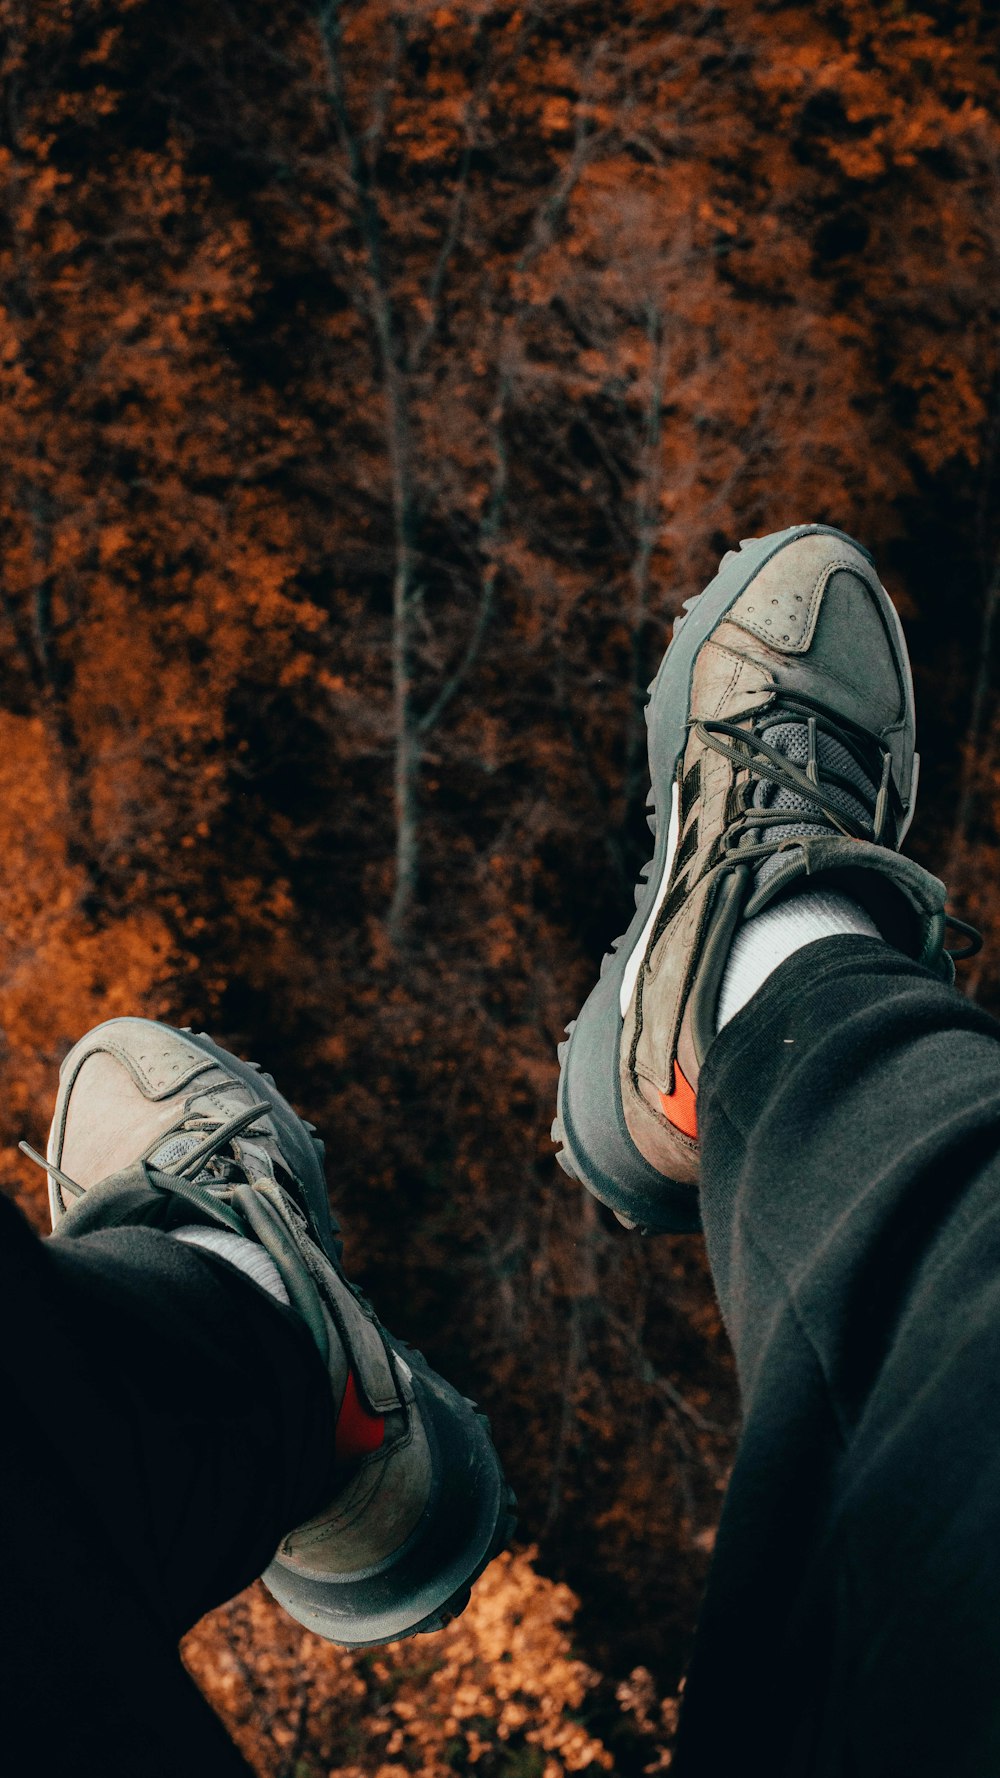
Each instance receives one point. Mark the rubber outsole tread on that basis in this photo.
(455, 1606)
(501, 1540)
(557, 1132)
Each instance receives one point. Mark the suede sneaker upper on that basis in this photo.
(781, 748)
(163, 1128)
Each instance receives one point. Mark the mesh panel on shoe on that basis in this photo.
(792, 739)
(174, 1149)
(171, 1153)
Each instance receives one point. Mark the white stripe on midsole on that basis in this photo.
(634, 963)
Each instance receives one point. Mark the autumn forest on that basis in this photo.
(378, 377)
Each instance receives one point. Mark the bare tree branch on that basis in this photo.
(647, 506)
(449, 242)
(397, 426)
(488, 534)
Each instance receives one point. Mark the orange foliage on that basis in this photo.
(499, 1690)
(370, 404)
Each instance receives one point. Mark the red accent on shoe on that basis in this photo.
(359, 1431)
(679, 1104)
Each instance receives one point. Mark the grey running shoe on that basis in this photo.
(163, 1127)
(781, 747)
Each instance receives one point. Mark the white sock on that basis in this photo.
(254, 1260)
(770, 937)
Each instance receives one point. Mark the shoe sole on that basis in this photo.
(591, 1137)
(469, 1519)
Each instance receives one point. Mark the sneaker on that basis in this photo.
(781, 747)
(165, 1128)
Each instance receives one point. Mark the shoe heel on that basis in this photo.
(594, 1146)
(468, 1520)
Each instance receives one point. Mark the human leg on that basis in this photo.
(213, 1431)
(783, 784)
(850, 1193)
(165, 1423)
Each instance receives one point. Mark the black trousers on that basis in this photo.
(170, 1421)
(165, 1422)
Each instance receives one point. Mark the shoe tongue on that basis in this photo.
(214, 1172)
(792, 739)
(173, 1150)
(249, 1156)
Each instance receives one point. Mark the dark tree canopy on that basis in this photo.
(377, 380)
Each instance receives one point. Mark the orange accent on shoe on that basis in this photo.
(679, 1104)
(359, 1431)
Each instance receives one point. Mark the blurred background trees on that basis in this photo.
(377, 379)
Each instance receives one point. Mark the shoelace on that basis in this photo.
(748, 750)
(182, 1176)
(273, 1216)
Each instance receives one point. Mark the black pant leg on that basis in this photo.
(169, 1421)
(850, 1119)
